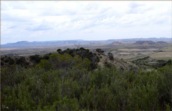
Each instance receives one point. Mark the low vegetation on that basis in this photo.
(71, 80)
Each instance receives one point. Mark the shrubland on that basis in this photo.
(71, 80)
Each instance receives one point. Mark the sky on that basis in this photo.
(84, 20)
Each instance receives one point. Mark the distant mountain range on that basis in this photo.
(26, 44)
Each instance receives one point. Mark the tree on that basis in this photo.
(110, 55)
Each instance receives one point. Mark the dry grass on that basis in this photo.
(162, 55)
(137, 50)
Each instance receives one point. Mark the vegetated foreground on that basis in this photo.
(80, 80)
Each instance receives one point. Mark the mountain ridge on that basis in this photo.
(26, 44)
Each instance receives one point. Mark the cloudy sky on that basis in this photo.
(86, 20)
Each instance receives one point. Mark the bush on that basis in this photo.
(64, 82)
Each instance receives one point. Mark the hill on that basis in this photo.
(64, 43)
(144, 43)
(73, 79)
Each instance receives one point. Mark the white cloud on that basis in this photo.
(47, 20)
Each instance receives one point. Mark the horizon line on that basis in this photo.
(89, 40)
